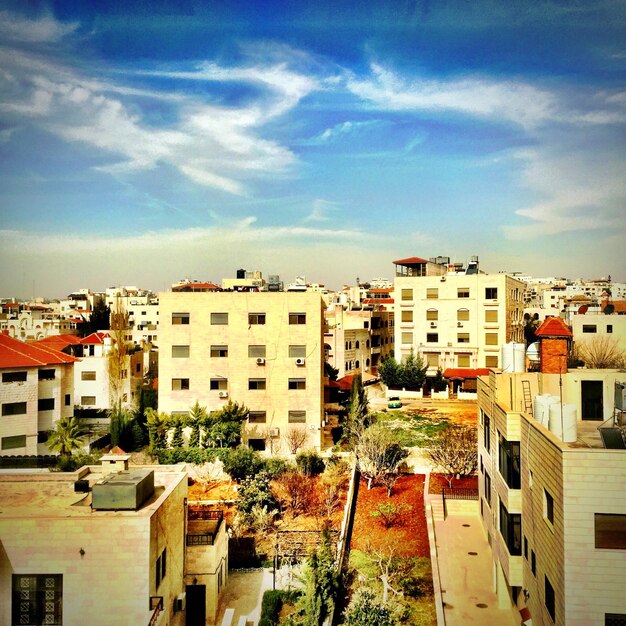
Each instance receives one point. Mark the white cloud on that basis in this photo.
(42, 30)
(320, 210)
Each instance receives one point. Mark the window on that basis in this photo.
(590, 328)
(297, 417)
(11, 443)
(407, 338)
(14, 377)
(14, 408)
(356, 345)
(462, 292)
(297, 383)
(511, 530)
(88, 400)
(256, 444)
(549, 597)
(180, 318)
(45, 404)
(219, 319)
(609, 328)
(491, 339)
(488, 488)
(491, 316)
(407, 316)
(463, 338)
(88, 375)
(615, 619)
(486, 432)
(256, 352)
(533, 563)
(491, 361)
(180, 352)
(432, 293)
(37, 599)
(610, 531)
(180, 384)
(463, 360)
(256, 384)
(42, 436)
(509, 462)
(432, 337)
(297, 352)
(68, 399)
(432, 359)
(526, 547)
(491, 293)
(462, 315)
(548, 506)
(161, 567)
(219, 351)
(46, 374)
(406, 294)
(297, 318)
(432, 315)
(257, 417)
(256, 318)
(219, 384)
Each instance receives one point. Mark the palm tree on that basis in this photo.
(67, 436)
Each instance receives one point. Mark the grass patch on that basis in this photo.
(413, 429)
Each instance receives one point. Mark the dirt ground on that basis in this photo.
(457, 411)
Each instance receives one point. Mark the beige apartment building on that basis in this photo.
(455, 317)
(552, 496)
(262, 349)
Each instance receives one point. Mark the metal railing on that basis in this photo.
(206, 515)
(156, 606)
(457, 493)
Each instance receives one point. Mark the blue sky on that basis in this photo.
(144, 142)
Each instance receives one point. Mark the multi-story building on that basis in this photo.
(599, 327)
(34, 322)
(552, 496)
(265, 350)
(455, 317)
(37, 389)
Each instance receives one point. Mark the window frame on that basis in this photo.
(296, 384)
(15, 377)
(180, 384)
(218, 351)
(257, 417)
(296, 416)
(14, 408)
(219, 318)
(256, 319)
(257, 384)
(180, 348)
(180, 319)
(432, 337)
(297, 319)
(463, 292)
(46, 374)
(251, 350)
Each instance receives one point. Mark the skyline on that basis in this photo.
(141, 144)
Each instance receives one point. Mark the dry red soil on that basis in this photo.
(439, 481)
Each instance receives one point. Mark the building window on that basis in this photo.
(615, 619)
(486, 432)
(297, 417)
(297, 318)
(463, 338)
(509, 462)
(432, 337)
(432, 293)
(432, 359)
(491, 293)
(406, 295)
(491, 339)
(526, 548)
(297, 352)
(463, 360)
(609, 328)
(47, 374)
(219, 384)
(548, 506)
(180, 352)
(407, 338)
(161, 567)
(432, 315)
(462, 315)
(180, 318)
(37, 599)
(356, 345)
(407, 316)
(219, 319)
(88, 375)
(11, 443)
(297, 383)
(491, 316)
(463, 292)
(533, 563)
(491, 361)
(256, 384)
(256, 444)
(180, 384)
(610, 531)
(14, 408)
(45, 404)
(219, 351)
(256, 352)
(549, 597)
(68, 399)
(511, 530)
(88, 400)
(488, 488)
(256, 318)
(257, 417)
(14, 377)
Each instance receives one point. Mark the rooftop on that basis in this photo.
(15, 353)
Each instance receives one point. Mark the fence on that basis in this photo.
(457, 493)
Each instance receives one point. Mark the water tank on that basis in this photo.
(541, 407)
(563, 421)
(513, 357)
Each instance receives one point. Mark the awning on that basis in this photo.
(461, 373)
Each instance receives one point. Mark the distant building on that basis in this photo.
(34, 322)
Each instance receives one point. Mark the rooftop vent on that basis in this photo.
(125, 491)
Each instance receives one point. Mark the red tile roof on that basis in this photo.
(380, 290)
(58, 342)
(410, 261)
(197, 287)
(553, 327)
(619, 306)
(15, 353)
(377, 300)
(96, 338)
(465, 372)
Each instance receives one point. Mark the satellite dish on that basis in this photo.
(583, 309)
(533, 351)
(609, 309)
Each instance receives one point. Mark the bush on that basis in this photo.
(243, 462)
(70, 463)
(309, 463)
(196, 456)
(276, 467)
(254, 492)
(272, 603)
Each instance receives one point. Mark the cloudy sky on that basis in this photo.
(142, 142)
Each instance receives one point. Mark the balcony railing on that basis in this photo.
(156, 606)
(203, 526)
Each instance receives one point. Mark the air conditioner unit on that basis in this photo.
(300, 361)
(274, 432)
(180, 604)
(260, 361)
(223, 394)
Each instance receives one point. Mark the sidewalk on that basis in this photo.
(465, 567)
(244, 592)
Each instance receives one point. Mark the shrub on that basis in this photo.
(271, 605)
(243, 462)
(309, 463)
(255, 491)
(276, 467)
(196, 456)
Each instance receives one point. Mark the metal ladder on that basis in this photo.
(528, 399)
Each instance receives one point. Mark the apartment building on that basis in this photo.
(552, 496)
(454, 316)
(265, 350)
(591, 327)
(36, 391)
(34, 322)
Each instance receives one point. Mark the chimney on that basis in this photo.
(554, 341)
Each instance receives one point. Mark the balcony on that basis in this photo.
(203, 525)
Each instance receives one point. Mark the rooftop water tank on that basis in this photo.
(563, 421)
(513, 357)
(541, 408)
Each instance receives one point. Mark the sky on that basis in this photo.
(146, 142)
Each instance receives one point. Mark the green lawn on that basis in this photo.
(413, 429)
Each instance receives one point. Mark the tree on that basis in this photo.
(178, 440)
(358, 408)
(332, 482)
(295, 439)
(531, 324)
(67, 436)
(298, 490)
(330, 371)
(455, 451)
(439, 383)
(123, 431)
(413, 371)
(100, 319)
(601, 352)
(223, 427)
(243, 462)
(158, 425)
(378, 454)
(391, 514)
(365, 609)
(389, 372)
(197, 417)
(255, 491)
